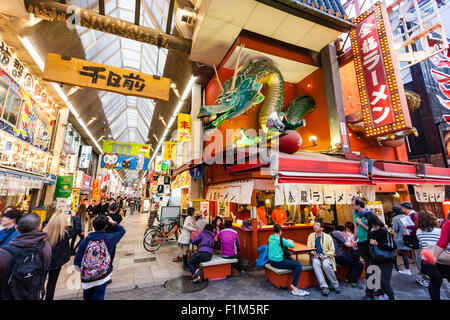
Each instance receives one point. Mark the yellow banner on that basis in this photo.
(75, 199)
(184, 127)
(169, 150)
(181, 180)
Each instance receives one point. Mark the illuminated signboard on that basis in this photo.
(383, 102)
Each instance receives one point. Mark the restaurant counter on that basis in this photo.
(298, 233)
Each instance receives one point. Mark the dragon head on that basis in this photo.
(237, 96)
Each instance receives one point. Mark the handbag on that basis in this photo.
(444, 258)
(411, 241)
(286, 253)
(383, 256)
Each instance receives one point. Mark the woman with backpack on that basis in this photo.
(81, 216)
(278, 258)
(58, 235)
(380, 241)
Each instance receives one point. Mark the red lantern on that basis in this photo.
(290, 142)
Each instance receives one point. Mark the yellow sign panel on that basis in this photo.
(184, 127)
(75, 199)
(102, 77)
(181, 180)
(169, 150)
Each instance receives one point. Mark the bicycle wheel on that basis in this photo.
(153, 240)
(148, 230)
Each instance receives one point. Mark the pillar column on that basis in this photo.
(196, 185)
(57, 148)
(335, 101)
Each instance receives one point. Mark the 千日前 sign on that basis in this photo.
(383, 102)
(102, 77)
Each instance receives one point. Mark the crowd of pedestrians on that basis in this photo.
(32, 253)
(365, 244)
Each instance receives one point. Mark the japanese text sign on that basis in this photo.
(94, 75)
(96, 189)
(383, 101)
(169, 150)
(184, 127)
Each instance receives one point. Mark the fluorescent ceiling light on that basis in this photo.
(32, 51)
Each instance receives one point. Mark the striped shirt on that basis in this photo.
(424, 237)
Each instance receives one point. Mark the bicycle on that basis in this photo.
(155, 236)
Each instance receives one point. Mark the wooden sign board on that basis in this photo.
(89, 74)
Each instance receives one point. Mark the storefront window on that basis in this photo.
(12, 108)
(3, 93)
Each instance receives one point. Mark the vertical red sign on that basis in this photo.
(383, 102)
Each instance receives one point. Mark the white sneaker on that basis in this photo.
(405, 272)
(383, 297)
(304, 292)
(297, 292)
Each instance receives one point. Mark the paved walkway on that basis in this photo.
(140, 275)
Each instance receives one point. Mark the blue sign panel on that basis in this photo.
(196, 172)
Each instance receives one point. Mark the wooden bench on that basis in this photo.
(217, 268)
(282, 278)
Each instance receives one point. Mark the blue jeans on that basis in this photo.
(196, 259)
(95, 293)
(295, 266)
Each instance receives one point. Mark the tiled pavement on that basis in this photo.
(136, 278)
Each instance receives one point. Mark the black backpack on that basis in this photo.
(25, 274)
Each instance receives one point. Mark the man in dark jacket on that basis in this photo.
(113, 212)
(104, 206)
(205, 251)
(29, 237)
(95, 290)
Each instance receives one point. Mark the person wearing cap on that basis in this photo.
(397, 227)
(9, 220)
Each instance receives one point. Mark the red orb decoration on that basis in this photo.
(290, 142)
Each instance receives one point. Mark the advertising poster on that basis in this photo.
(114, 161)
(63, 187)
(204, 209)
(376, 207)
(96, 190)
(75, 199)
(34, 124)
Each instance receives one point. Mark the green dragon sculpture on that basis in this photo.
(242, 92)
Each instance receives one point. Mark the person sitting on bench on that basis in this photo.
(230, 245)
(205, 252)
(277, 259)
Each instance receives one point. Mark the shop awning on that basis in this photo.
(414, 173)
(317, 168)
(181, 180)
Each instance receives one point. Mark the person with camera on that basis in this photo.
(323, 258)
(280, 258)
